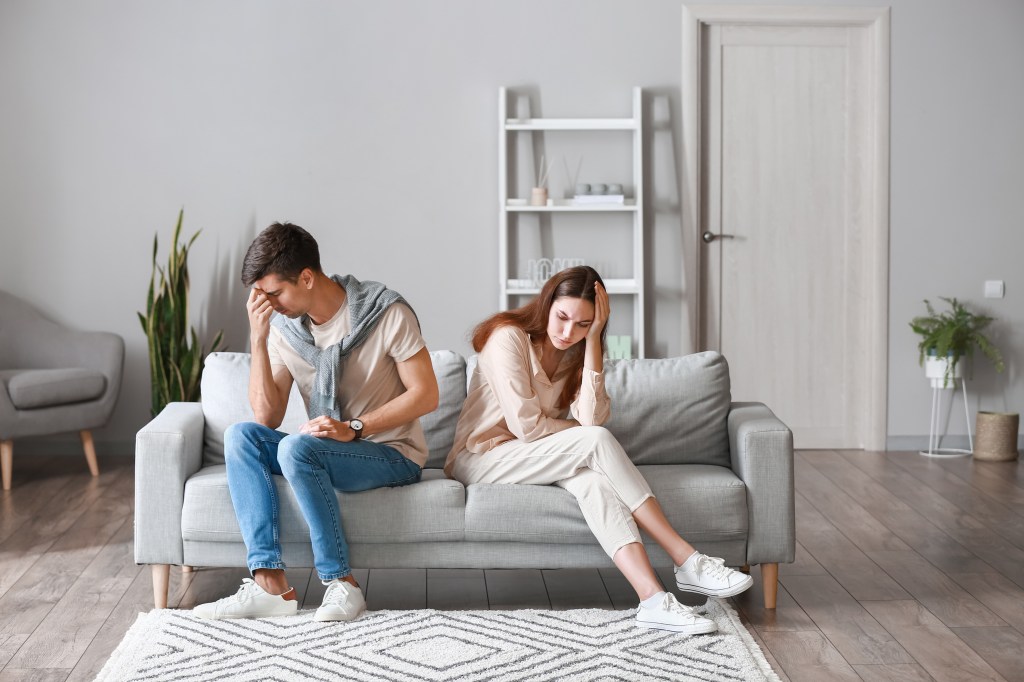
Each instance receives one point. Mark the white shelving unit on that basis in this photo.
(632, 207)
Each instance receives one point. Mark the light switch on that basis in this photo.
(994, 288)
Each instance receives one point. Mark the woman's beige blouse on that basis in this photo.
(510, 396)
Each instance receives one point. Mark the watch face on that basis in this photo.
(355, 425)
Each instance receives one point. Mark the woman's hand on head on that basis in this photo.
(601, 312)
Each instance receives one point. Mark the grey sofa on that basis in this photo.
(722, 471)
(53, 379)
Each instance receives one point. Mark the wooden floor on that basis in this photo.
(907, 569)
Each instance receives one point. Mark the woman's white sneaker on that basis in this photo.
(673, 616)
(709, 575)
(342, 601)
(251, 601)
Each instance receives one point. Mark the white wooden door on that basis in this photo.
(789, 140)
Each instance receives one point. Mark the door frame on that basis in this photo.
(876, 232)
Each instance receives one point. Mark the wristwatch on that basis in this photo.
(357, 427)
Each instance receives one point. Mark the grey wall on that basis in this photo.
(957, 217)
(374, 125)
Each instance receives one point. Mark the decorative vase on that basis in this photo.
(996, 439)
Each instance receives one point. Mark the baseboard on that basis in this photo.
(921, 442)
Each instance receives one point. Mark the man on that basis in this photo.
(355, 351)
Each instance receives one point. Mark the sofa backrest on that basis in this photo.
(672, 410)
(225, 399)
(666, 411)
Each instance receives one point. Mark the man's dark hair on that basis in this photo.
(283, 249)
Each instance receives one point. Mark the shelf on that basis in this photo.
(525, 287)
(571, 124)
(567, 205)
(518, 221)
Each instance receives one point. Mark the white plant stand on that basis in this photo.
(934, 437)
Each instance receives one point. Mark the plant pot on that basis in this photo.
(937, 370)
(996, 439)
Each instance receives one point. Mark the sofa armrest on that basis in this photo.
(168, 450)
(761, 447)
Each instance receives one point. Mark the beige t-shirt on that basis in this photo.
(368, 375)
(511, 397)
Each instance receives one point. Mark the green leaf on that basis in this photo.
(176, 356)
(953, 333)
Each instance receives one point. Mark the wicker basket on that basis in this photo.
(996, 439)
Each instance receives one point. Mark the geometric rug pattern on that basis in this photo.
(426, 645)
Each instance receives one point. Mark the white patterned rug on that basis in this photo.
(415, 646)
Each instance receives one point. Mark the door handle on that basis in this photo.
(709, 237)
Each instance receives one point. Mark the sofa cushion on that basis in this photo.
(671, 411)
(225, 399)
(702, 502)
(439, 425)
(429, 511)
(35, 388)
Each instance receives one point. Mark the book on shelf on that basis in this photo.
(587, 199)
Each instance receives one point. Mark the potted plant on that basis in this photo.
(948, 336)
(175, 354)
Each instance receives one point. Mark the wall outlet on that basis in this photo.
(995, 288)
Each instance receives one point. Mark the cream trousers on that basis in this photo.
(585, 460)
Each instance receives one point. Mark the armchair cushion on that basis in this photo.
(34, 388)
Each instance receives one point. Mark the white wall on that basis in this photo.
(374, 126)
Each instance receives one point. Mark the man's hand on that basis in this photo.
(260, 311)
(325, 427)
(601, 311)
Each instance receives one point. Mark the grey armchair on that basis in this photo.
(53, 379)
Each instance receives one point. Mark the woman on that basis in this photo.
(533, 416)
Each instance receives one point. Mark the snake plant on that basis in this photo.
(175, 354)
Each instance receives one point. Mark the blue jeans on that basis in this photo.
(315, 468)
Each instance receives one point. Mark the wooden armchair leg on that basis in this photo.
(7, 461)
(186, 569)
(90, 452)
(161, 581)
(770, 584)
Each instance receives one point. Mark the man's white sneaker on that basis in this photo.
(710, 576)
(673, 616)
(251, 601)
(342, 601)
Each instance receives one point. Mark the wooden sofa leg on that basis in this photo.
(90, 452)
(186, 569)
(161, 581)
(7, 461)
(770, 584)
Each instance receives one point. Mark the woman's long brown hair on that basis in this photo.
(532, 318)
